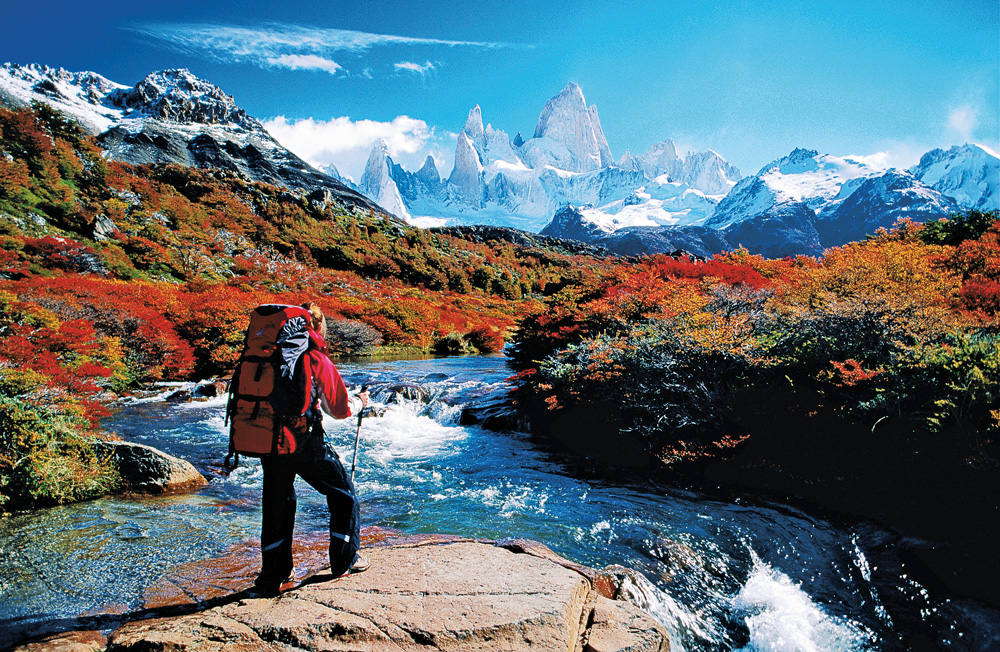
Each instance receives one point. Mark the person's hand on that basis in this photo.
(364, 399)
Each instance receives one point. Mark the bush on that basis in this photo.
(351, 337)
(44, 460)
(671, 386)
(958, 228)
(486, 339)
(451, 344)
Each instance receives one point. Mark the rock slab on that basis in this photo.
(461, 595)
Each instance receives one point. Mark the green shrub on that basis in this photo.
(956, 380)
(958, 228)
(44, 459)
(452, 344)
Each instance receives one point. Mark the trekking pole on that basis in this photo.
(357, 438)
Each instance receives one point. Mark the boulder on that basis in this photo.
(147, 470)
(104, 228)
(437, 594)
(212, 389)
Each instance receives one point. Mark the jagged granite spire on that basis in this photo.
(377, 183)
(566, 136)
(428, 171)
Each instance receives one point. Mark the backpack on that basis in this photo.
(271, 392)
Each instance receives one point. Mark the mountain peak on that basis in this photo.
(428, 171)
(968, 173)
(177, 95)
(474, 123)
(573, 90)
(568, 135)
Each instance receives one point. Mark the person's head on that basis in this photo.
(318, 320)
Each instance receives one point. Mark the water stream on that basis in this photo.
(734, 574)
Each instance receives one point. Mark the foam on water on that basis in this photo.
(403, 433)
(781, 617)
(687, 627)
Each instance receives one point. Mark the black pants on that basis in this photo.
(319, 465)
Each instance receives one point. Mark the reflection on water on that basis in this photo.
(720, 575)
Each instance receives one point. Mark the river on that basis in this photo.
(741, 573)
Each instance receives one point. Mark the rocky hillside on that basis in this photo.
(170, 116)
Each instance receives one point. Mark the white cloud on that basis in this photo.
(962, 122)
(880, 160)
(414, 67)
(346, 143)
(306, 61)
(292, 46)
(898, 154)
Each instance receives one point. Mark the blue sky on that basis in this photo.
(751, 80)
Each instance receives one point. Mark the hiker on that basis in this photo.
(318, 464)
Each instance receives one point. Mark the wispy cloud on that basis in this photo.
(880, 160)
(962, 122)
(305, 61)
(346, 143)
(290, 46)
(409, 66)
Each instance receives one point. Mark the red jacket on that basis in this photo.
(329, 387)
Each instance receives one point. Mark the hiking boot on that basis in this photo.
(265, 589)
(360, 564)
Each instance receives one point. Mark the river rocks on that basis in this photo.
(621, 626)
(145, 469)
(456, 595)
(212, 388)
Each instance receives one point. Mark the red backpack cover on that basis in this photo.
(271, 390)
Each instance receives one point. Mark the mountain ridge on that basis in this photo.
(171, 116)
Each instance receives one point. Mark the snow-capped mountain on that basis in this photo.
(497, 180)
(806, 202)
(170, 116)
(79, 95)
(969, 174)
(568, 135)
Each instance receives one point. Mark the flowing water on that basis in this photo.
(733, 574)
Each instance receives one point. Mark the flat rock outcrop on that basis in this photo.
(422, 593)
(419, 595)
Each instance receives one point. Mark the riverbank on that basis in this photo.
(421, 593)
(722, 570)
(940, 491)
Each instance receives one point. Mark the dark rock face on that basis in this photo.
(145, 469)
(161, 142)
(179, 96)
(698, 241)
(878, 203)
(568, 223)
(522, 238)
(785, 230)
